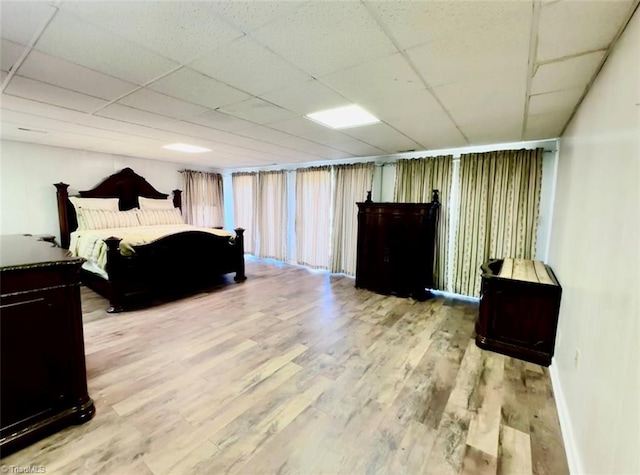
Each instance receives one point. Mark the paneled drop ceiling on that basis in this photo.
(238, 77)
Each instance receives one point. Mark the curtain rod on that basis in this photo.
(454, 157)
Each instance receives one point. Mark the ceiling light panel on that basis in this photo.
(186, 148)
(344, 117)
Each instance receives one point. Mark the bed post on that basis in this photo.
(114, 270)
(177, 199)
(62, 193)
(240, 275)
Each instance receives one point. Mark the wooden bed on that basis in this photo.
(175, 263)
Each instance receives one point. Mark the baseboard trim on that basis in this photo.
(573, 459)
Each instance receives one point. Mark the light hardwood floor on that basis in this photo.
(299, 372)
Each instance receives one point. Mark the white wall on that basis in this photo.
(594, 252)
(28, 172)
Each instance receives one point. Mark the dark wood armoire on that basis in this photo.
(396, 247)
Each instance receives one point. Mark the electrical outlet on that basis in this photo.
(576, 358)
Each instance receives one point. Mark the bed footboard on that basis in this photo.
(179, 262)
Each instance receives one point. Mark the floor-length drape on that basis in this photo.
(313, 207)
(203, 198)
(245, 187)
(272, 215)
(498, 215)
(351, 185)
(415, 181)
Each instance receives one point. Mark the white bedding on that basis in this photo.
(90, 243)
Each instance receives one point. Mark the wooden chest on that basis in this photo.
(519, 305)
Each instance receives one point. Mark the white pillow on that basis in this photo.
(151, 203)
(155, 217)
(80, 204)
(94, 203)
(107, 219)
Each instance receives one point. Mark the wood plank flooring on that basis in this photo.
(296, 372)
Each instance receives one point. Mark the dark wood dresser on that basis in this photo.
(396, 247)
(519, 305)
(42, 364)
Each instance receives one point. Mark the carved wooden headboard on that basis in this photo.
(126, 185)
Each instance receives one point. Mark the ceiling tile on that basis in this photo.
(37, 122)
(286, 140)
(40, 109)
(434, 130)
(258, 111)
(572, 72)
(151, 101)
(415, 23)
(4, 75)
(388, 107)
(21, 20)
(357, 147)
(128, 128)
(195, 130)
(568, 28)
(494, 130)
(221, 121)
(134, 116)
(251, 14)
(309, 130)
(553, 101)
(548, 125)
(388, 76)
(258, 72)
(95, 48)
(479, 92)
(180, 31)
(51, 137)
(41, 92)
(9, 54)
(476, 52)
(305, 36)
(192, 86)
(383, 137)
(62, 73)
(306, 97)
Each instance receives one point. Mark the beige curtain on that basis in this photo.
(245, 187)
(313, 208)
(415, 181)
(498, 216)
(351, 185)
(272, 215)
(203, 202)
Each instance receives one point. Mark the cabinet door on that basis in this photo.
(31, 373)
(521, 317)
(373, 252)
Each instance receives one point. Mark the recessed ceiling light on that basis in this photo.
(185, 147)
(343, 117)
